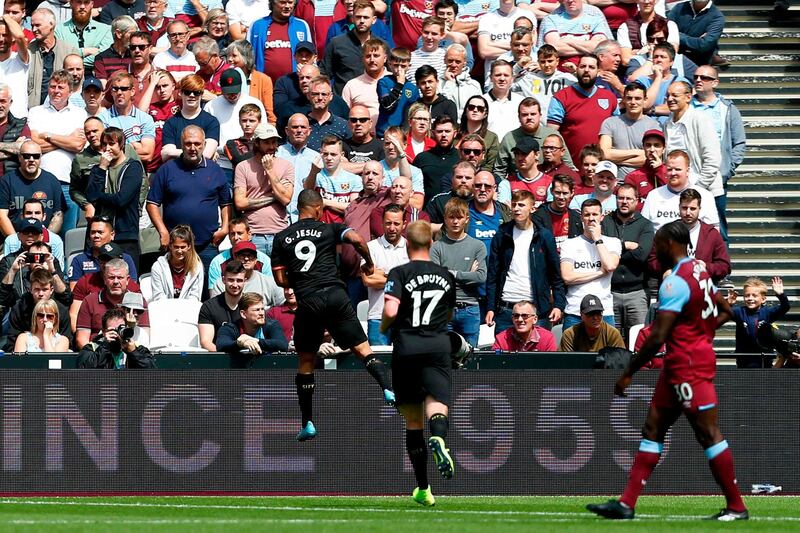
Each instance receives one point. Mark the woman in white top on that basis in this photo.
(43, 336)
(178, 273)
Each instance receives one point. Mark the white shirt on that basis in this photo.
(420, 57)
(518, 280)
(694, 234)
(498, 27)
(14, 73)
(503, 114)
(584, 257)
(541, 87)
(662, 205)
(624, 38)
(245, 12)
(46, 119)
(179, 67)
(228, 116)
(386, 256)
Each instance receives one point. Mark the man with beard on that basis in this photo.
(528, 176)
(89, 36)
(344, 54)
(263, 187)
(252, 333)
(362, 146)
(621, 135)
(440, 159)
(578, 111)
(463, 176)
(363, 90)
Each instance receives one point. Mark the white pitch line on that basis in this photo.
(370, 510)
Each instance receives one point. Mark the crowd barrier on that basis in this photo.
(512, 431)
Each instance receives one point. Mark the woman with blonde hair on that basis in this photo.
(419, 127)
(43, 335)
(178, 273)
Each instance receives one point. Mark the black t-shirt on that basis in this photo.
(427, 294)
(361, 153)
(217, 313)
(118, 8)
(307, 251)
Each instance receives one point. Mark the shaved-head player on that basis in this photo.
(304, 258)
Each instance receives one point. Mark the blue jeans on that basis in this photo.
(571, 320)
(71, 213)
(722, 205)
(263, 243)
(374, 335)
(467, 323)
(356, 291)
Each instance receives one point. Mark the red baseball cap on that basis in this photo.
(242, 246)
(654, 133)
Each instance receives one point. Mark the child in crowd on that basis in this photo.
(237, 150)
(749, 316)
(395, 94)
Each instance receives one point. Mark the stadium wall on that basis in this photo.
(511, 432)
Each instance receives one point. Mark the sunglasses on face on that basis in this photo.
(136, 312)
(138, 46)
(471, 151)
(521, 316)
(473, 107)
(704, 78)
(46, 316)
(550, 148)
(192, 93)
(360, 120)
(483, 186)
(121, 88)
(30, 156)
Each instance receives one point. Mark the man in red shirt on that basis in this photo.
(284, 314)
(578, 111)
(528, 176)
(653, 173)
(407, 17)
(206, 52)
(553, 151)
(556, 215)
(524, 335)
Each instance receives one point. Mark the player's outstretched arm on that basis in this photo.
(358, 242)
(664, 322)
(279, 274)
(724, 311)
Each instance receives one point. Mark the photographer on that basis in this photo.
(15, 269)
(115, 346)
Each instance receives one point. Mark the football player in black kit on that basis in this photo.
(419, 301)
(304, 258)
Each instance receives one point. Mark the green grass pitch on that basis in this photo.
(492, 514)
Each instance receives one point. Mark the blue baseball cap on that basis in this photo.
(91, 81)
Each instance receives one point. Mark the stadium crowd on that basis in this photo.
(158, 146)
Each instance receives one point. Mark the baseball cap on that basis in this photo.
(91, 81)
(606, 166)
(266, 131)
(654, 133)
(110, 251)
(28, 224)
(591, 304)
(230, 81)
(242, 246)
(133, 300)
(527, 145)
(305, 45)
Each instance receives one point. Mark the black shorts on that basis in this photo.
(416, 376)
(330, 309)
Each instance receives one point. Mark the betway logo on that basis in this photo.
(585, 265)
(269, 45)
(485, 234)
(672, 215)
(404, 10)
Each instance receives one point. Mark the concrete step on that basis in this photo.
(756, 67)
(769, 129)
(748, 182)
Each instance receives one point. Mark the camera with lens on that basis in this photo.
(782, 340)
(125, 333)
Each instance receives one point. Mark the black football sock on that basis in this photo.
(438, 425)
(418, 453)
(305, 395)
(377, 370)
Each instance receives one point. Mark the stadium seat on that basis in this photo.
(173, 325)
(632, 334)
(70, 257)
(146, 284)
(74, 241)
(362, 309)
(557, 330)
(485, 337)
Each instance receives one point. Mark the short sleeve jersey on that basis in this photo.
(427, 293)
(690, 292)
(307, 251)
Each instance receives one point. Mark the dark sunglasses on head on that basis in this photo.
(359, 119)
(30, 156)
(191, 93)
(473, 107)
(123, 88)
(704, 78)
(138, 46)
(471, 151)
